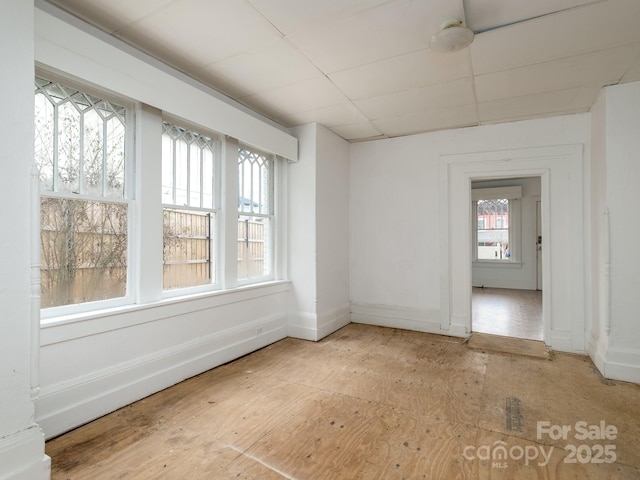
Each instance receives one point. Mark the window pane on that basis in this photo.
(44, 140)
(254, 176)
(187, 168)
(83, 251)
(167, 169)
(493, 229)
(187, 249)
(254, 247)
(115, 157)
(68, 148)
(93, 153)
(194, 175)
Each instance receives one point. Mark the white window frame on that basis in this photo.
(514, 195)
(215, 225)
(128, 199)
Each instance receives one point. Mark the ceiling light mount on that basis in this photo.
(453, 36)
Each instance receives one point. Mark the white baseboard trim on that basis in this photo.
(597, 351)
(22, 456)
(303, 325)
(427, 321)
(333, 320)
(67, 405)
(622, 364)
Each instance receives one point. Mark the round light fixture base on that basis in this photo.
(451, 38)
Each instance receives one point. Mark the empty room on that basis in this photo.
(298, 239)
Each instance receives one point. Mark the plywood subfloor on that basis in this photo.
(364, 403)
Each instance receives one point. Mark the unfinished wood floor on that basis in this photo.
(507, 312)
(366, 403)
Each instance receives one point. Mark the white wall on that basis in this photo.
(302, 236)
(319, 234)
(21, 440)
(521, 274)
(397, 189)
(616, 340)
(332, 230)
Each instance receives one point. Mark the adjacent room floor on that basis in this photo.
(369, 403)
(507, 312)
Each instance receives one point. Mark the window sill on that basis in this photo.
(497, 264)
(69, 327)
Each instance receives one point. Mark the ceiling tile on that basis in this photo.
(357, 131)
(428, 120)
(409, 71)
(388, 30)
(335, 115)
(486, 14)
(571, 100)
(580, 30)
(300, 97)
(203, 37)
(633, 73)
(289, 16)
(589, 70)
(459, 92)
(113, 15)
(271, 65)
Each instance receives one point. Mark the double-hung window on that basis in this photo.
(496, 219)
(190, 207)
(81, 156)
(255, 215)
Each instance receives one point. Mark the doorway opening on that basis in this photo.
(506, 297)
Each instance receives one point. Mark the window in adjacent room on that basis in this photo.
(190, 207)
(496, 220)
(80, 154)
(255, 215)
(493, 229)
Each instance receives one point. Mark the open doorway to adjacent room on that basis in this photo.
(507, 242)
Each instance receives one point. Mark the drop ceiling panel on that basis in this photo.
(633, 73)
(459, 92)
(336, 115)
(593, 69)
(391, 29)
(573, 100)
(290, 16)
(274, 64)
(486, 14)
(404, 72)
(357, 131)
(195, 33)
(428, 120)
(113, 15)
(573, 32)
(300, 97)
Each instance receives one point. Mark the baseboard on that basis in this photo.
(622, 364)
(64, 406)
(303, 325)
(334, 320)
(427, 321)
(22, 456)
(597, 351)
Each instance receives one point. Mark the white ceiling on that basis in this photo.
(363, 67)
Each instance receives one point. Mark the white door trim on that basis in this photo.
(561, 172)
